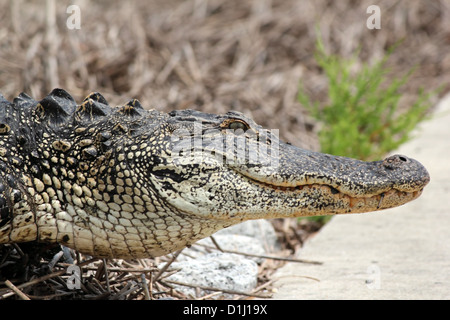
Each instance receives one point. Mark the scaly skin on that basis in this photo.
(130, 183)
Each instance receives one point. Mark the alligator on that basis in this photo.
(126, 182)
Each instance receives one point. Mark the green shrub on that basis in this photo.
(362, 118)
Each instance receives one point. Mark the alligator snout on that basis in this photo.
(408, 174)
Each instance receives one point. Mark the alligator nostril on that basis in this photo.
(395, 161)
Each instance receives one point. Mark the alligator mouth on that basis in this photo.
(348, 203)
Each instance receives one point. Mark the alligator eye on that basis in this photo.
(236, 124)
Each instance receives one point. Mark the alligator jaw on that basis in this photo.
(334, 201)
(309, 183)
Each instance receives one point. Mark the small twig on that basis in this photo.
(22, 295)
(118, 269)
(96, 289)
(18, 249)
(51, 37)
(129, 288)
(50, 296)
(217, 289)
(105, 267)
(209, 295)
(163, 269)
(168, 273)
(172, 61)
(297, 276)
(266, 256)
(216, 243)
(145, 287)
(263, 286)
(192, 62)
(51, 275)
(150, 285)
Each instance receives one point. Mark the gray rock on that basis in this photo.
(203, 265)
(261, 230)
(218, 270)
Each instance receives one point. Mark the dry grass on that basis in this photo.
(35, 271)
(213, 56)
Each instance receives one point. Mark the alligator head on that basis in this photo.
(228, 167)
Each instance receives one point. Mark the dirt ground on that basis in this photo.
(215, 55)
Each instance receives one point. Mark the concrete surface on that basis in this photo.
(400, 253)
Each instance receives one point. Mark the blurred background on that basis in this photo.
(215, 55)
